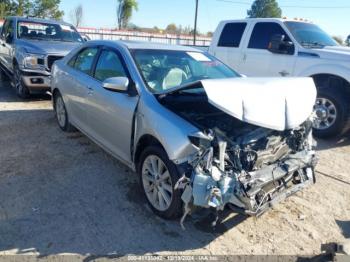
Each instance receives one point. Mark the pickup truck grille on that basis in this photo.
(51, 59)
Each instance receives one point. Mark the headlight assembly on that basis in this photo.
(34, 61)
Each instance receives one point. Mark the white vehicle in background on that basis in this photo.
(281, 47)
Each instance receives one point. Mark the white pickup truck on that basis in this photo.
(281, 47)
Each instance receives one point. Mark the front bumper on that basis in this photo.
(256, 191)
(36, 82)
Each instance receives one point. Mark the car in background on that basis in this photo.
(29, 47)
(268, 47)
(197, 133)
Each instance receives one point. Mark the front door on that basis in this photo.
(110, 113)
(7, 37)
(258, 61)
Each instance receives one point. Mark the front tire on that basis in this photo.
(21, 90)
(332, 109)
(61, 114)
(158, 176)
(3, 76)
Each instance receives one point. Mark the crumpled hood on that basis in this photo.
(275, 103)
(47, 47)
(333, 52)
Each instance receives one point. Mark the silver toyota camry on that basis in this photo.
(197, 133)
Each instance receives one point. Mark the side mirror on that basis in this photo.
(85, 37)
(9, 38)
(278, 45)
(117, 84)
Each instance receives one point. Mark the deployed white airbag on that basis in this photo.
(275, 103)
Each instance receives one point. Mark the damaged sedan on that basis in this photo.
(198, 134)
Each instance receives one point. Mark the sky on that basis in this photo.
(333, 16)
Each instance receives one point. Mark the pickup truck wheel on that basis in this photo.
(158, 177)
(3, 76)
(21, 90)
(331, 113)
(61, 114)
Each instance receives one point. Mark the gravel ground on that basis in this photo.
(60, 193)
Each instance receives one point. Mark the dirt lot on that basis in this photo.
(60, 193)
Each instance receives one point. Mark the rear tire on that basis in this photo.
(158, 176)
(61, 114)
(332, 110)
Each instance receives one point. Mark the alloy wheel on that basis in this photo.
(18, 83)
(157, 182)
(326, 113)
(60, 111)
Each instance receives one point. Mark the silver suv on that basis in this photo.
(29, 47)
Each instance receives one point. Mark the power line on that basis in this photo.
(288, 6)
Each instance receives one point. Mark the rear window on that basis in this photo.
(231, 35)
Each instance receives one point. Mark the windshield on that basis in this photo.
(48, 32)
(165, 69)
(310, 35)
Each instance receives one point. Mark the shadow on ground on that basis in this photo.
(345, 227)
(7, 94)
(62, 194)
(336, 142)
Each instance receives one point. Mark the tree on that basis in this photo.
(76, 15)
(11, 7)
(124, 12)
(265, 8)
(339, 39)
(23, 7)
(5, 8)
(171, 28)
(47, 9)
(347, 41)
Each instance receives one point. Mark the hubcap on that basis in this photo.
(326, 113)
(60, 112)
(157, 182)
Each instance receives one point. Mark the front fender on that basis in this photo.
(330, 69)
(168, 128)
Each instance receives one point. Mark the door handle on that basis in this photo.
(244, 57)
(284, 73)
(90, 90)
(3, 44)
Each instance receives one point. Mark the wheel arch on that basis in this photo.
(55, 92)
(334, 81)
(143, 142)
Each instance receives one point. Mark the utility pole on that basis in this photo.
(195, 24)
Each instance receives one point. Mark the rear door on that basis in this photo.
(258, 61)
(76, 84)
(229, 47)
(109, 113)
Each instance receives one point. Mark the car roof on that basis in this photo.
(266, 20)
(145, 45)
(38, 20)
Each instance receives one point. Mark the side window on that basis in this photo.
(232, 34)
(85, 59)
(109, 65)
(4, 29)
(262, 34)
